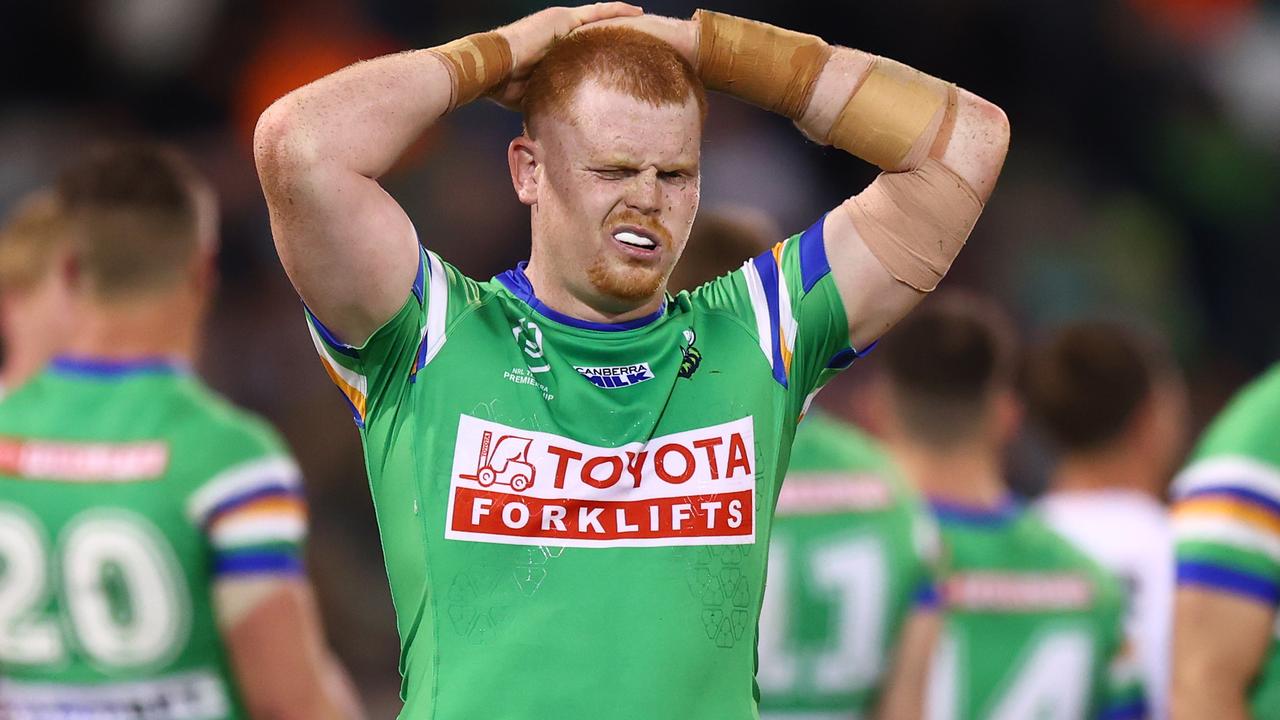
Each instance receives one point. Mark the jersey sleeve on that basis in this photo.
(374, 375)
(788, 296)
(251, 511)
(928, 555)
(1226, 522)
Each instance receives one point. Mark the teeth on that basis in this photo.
(633, 239)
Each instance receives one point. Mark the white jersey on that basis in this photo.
(1128, 533)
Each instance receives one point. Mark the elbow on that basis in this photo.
(996, 125)
(281, 144)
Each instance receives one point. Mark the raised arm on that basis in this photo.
(941, 148)
(347, 246)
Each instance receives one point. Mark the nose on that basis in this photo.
(644, 193)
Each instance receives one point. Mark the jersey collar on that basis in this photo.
(979, 515)
(113, 368)
(517, 283)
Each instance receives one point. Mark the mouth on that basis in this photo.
(636, 240)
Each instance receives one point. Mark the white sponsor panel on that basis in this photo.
(83, 462)
(199, 695)
(524, 487)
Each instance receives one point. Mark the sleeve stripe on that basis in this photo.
(1227, 532)
(254, 563)
(926, 596)
(768, 272)
(259, 530)
(433, 333)
(813, 255)
(1231, 471)
(328, 337)
(1229, 579)
(419, 279)
(760, 308)
(354, 386)
(1246, 496)
(1131, 710)
(1228, 508)
(786, 317)
(242, 479)
(253, 498)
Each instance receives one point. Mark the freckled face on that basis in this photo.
(616, 196)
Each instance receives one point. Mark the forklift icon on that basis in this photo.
(505, 462)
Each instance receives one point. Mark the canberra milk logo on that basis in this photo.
(616, 377)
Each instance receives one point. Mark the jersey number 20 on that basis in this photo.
(118, 582)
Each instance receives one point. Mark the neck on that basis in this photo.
(968, 474)
(25, 354)
(126, 330)
(28, 344)
(1112, 469)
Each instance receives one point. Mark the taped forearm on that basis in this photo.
(476, 63)
(890, 114)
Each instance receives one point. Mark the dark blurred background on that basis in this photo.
(1143, 183)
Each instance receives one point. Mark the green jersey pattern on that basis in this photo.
(1226, 517)
(575, 516)
(1034, 629)
(852, 554)
(126, 490)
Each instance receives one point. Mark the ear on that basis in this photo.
(1008, 412)
(523, 159)
(203, 273)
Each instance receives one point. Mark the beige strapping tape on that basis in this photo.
(477, 63)
(915, 223)
(888, 113)
(760, 63)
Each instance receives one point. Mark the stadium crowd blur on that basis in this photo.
(1142, 184)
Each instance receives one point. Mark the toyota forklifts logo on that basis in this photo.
(526, 487)
(505, 462)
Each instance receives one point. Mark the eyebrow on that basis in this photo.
(622, 161)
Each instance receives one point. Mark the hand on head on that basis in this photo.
(530, 38)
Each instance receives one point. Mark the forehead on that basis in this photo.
(606, 124)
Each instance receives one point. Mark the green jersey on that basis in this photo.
(1034, 629)
(852, 554)
(126, 490)
(575, 516)
(1226, 517)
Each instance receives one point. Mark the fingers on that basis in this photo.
(604, 11)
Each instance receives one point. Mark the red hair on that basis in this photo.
(630, 61)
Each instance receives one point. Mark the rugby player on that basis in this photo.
(35, 302)
(1112, 404)
(150, 532)
(575, 475)
(1033, 628)
(1226, 525)
(850, 617)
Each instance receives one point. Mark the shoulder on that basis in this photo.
(1247, 427)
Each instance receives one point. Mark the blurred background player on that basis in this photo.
(149, 531)
(850, 616)
(1033, 628)
(1112, 404)
(1226, 523)
(35, 302)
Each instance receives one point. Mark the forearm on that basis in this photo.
(361, 118)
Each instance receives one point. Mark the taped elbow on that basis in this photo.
(915, 223)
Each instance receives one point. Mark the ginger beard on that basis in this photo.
(627, 279)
